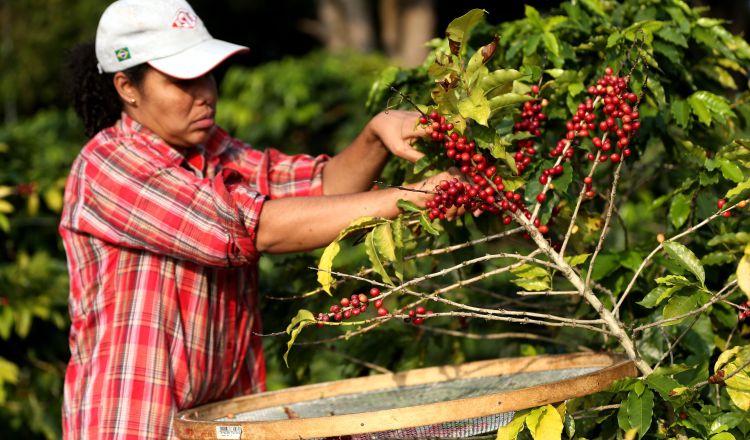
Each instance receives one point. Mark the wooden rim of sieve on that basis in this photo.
(200, 422)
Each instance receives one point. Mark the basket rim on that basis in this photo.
(200, 422)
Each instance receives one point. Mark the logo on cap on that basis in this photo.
(122, 54)
(185, 19)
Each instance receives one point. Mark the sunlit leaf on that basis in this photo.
(300, 321)
(685, 258)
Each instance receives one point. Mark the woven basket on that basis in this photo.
(449, 401)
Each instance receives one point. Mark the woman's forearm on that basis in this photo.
(355, 169)
(302, 223)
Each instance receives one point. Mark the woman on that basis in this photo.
(165, 218)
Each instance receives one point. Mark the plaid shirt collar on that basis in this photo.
(214, 146)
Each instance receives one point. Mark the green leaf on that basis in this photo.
(730, 170)
(640, 411)
(738, 190)
(499, 81)
(384, 243)
(507, 99)
(722, 436)
(551, 43)
(679, 305)
(680, 110)
(699, 109)
(427, 224)
(726, 421)
(300, 321)
(673, 35)
(685, 258)
(707, 105)
(679, 210)
(380, 248)
(529, 271)
(657, 295)
(398, 239)
(575, 260)
(532, 285)
(717, 258)
(423, 163)
(460, 28)
(325, 265)
(533, 16)
(408, 206)
(594, 6)
(662, 384)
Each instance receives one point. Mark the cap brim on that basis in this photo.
(197, 60)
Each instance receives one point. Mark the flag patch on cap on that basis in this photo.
(122, 54)
(185, 19)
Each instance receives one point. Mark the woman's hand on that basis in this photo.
(430, 184)
(396, 131)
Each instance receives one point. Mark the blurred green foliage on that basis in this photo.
(313, 104)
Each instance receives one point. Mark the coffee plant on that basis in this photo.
(602, 175)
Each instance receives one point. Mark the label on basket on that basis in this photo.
(229, 432)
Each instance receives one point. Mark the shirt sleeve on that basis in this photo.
(279, 175)
(147, 203)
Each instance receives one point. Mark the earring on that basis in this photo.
(132, 100)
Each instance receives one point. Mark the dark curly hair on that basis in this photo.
(93, 94)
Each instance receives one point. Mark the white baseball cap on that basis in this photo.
(166, 34)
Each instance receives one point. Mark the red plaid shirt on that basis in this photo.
(163, 276)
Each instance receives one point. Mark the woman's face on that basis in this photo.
(180, 111)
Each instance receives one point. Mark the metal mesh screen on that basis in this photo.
(402, 397)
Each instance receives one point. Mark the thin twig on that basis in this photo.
(605, 228)
(364, 363)
(697, 311)
(724, 379)
(660, 246)
(595, 409)
(579, 201)
(504, 335)
(403, 188)
(547, 292)
(672, 345)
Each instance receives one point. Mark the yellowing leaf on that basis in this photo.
(511, 430)
(380, 248)
(548, 426)
(302, 320)
(743, 274)
(325, 265)
(738, 386)
(476, 107)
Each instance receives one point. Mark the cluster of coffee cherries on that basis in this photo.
(358, 303)
(417, 314)
(532, 118)
(744, 313)
(621, 118)
(484, 189)
(354, 305)
(453, 192)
